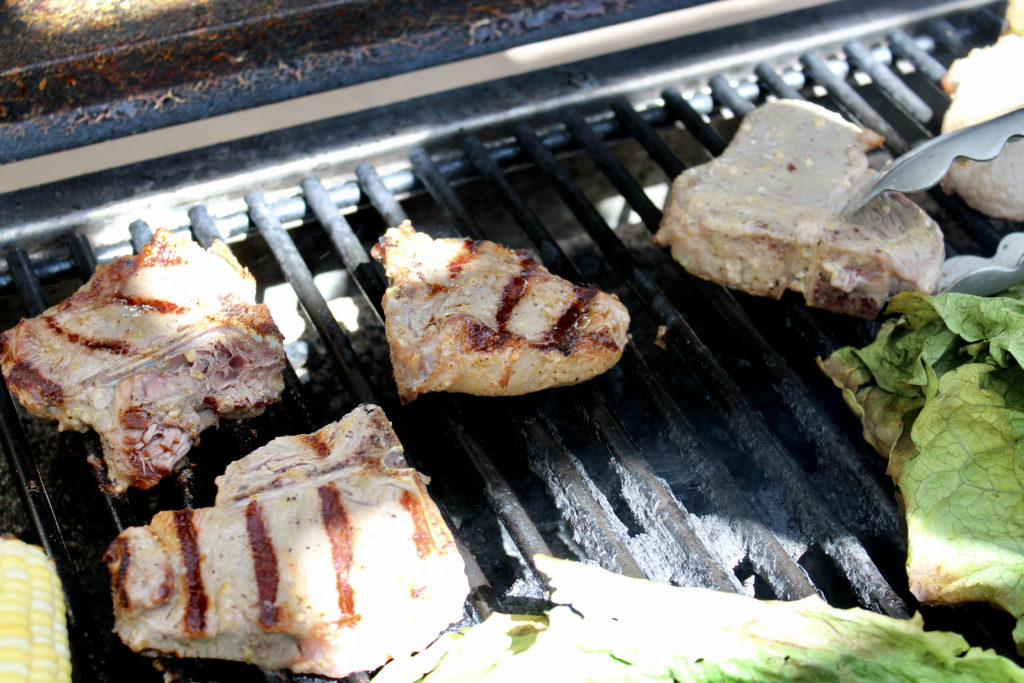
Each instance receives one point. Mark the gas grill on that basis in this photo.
(715, 454)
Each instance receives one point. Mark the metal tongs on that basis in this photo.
(924, 166)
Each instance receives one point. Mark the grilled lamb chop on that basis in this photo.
(479, 318)
(979, 90)
(763, 217)
(322, 554)
(152, 350)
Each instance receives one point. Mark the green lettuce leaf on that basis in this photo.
(963, 491)
(940, 392)
(612, 628)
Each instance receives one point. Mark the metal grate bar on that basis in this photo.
(653, 504)
(26, 282)
(775, 83)
(947, 36)
(82, 254)
(301, 279)
(722, 91)
(818, 69)
(904, 46)
(204, 227)
(443, 194)
(988, 20)
(888, 81)
(596, 527)
(366, 272)
(771, 561)
(694, 122)
(625, 183)
(502, 497)
(380, 196)
(643, 132)
(551, 256)
(141, 234)
(810, 509)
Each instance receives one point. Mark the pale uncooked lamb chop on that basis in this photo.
(322, 554)
(479, 318)
(153, 349)
(979, 90)
(764, 216)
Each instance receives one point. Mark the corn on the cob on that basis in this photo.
(33, 624)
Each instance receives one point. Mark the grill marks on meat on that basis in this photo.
(764, 216)
(264, 560)
(479, 318)
(115, 346)
(196, 601)
(23, 378)
(332, 512)
(153, 349)
(421, 527)
(319, 563)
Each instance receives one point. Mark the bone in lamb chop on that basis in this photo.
(149, 352)
(479, 318)
(765, 216)
(323, 553)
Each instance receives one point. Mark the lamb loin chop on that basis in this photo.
(479, 318)
(764, 216)
(322, 554)
(149, 352)
(979, 90)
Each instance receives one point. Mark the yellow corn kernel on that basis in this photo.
(33, 622)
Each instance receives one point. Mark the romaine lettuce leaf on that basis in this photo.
(963, 491)
(941, 393)
(612, 628)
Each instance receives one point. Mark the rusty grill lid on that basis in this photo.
(70, 77)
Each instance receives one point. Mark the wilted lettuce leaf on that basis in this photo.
(941, 393)
(620, 629)
(964, 491)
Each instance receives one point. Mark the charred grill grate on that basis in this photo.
(714, 455)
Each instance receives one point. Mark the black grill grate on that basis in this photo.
(714, 455)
